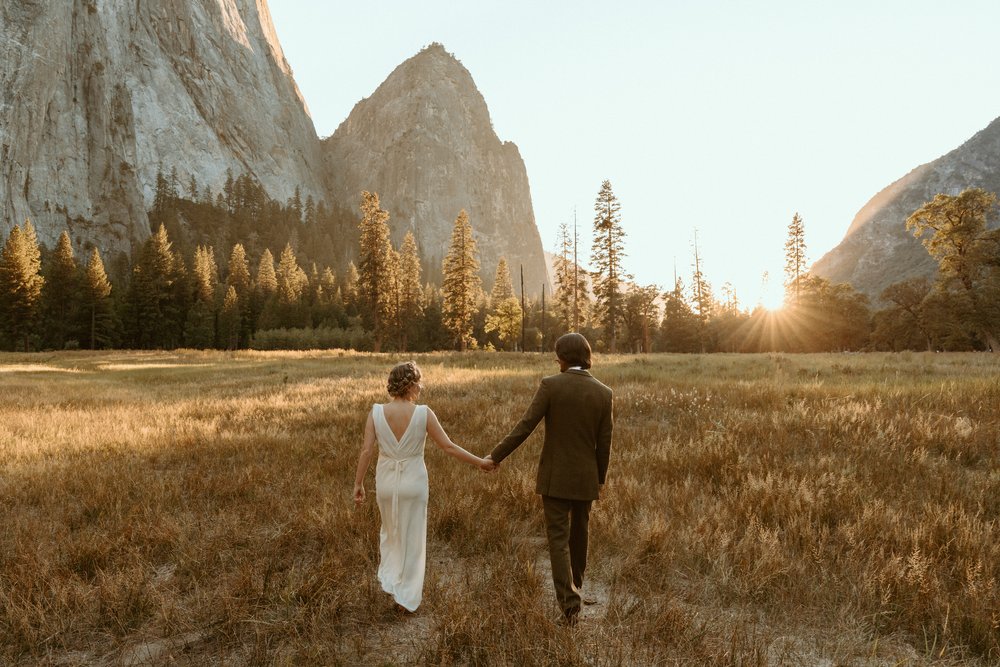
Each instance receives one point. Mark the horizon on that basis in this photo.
(806, 130)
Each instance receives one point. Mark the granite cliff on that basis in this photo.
(97, 95)
(877, 249)
(424, 141)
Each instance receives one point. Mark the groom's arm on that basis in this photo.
(539, 406)
(604, 441)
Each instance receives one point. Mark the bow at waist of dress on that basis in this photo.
(399, 459)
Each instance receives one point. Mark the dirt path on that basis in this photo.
(399, 640)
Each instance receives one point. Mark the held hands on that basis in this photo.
(359, 494)
(488, 464)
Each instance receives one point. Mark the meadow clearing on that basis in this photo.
(195, 508)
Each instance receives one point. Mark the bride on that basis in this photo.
(400, 427)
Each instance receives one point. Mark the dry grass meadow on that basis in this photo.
(194, 508)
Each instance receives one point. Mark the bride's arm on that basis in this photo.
(364, 460)
(442, 440)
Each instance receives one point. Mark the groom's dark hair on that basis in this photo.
(574, 349)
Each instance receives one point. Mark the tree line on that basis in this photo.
(338, 281)
(957, 309)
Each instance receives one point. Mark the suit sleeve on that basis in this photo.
(604, 441)
(539, 406)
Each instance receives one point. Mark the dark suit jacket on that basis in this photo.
(578, 423)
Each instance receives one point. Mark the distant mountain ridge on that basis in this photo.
(425, 142)
(877, 249)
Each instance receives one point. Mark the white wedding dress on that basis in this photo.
(401, 491)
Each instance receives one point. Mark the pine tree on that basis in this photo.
(564, 298)
(180, 301)
(328, 281)
(330, 310)
(375, 294)
(411, 294)
(96, 290)
(571, 296)
(229, 320)
(228, 195)
(61, 296)
(155, 301)
(310, 211)
(349, 288)
(161, 193)
(20, 284)
(205, 274)
(325, 291)
(462, 285)
(265, 285)
(314, 288)
(795, 258)
(607, 254)
(174, 184)
(290, 279)
(316, 298)
(503, 288)
(505, 312)
(239, 271)
(291, 283)
(200, 326)
(295, 204)
(701, 296)
(239, 279)
(395, 328)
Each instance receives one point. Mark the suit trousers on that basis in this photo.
(566, 525)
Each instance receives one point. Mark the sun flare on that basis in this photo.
(772, 300)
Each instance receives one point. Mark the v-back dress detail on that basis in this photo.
(401, 491)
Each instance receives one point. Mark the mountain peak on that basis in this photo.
(437, 49)
(425, 142)
(436, 55)
(435, 67)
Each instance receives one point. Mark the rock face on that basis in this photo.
(97, 95)
(424, 141)
(878, 250)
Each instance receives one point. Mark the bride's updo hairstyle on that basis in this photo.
(402, 378)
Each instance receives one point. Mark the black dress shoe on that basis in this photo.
(571, 616)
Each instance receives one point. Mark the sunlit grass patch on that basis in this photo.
(35, 368)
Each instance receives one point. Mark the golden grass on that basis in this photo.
(195, 507)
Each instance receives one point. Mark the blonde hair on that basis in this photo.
(402, 377)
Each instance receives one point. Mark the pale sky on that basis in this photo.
(723, 116)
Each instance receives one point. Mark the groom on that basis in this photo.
(574, 462)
